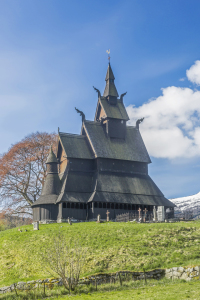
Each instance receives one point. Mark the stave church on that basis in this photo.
(104, 168)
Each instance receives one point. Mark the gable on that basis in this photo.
(131, 148)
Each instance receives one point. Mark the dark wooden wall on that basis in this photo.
(116, 128)
(45, 212)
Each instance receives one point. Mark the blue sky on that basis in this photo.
(52, 52)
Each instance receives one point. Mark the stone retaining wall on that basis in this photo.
(186, 273)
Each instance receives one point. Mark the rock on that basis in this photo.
(191, 269)
(21, 285)
(184, 276)
(175, 269)
(197, 268)
(31, 282)
(181, 269)
(5, 289)
(193, 274)
(168, 275)
(168, 271)
(176, 274)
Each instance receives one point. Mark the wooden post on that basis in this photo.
(96, 283)
(145, 276)
(120, 279)
(44, 287)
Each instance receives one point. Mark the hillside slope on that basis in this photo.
(188, 202)
(110, 246)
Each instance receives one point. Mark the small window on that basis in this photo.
(100, 205)
(64, 205)
(81, 205)
(112, 205)
(108, 205)
(104, 205)
(125, 206)
(68, 204)
(121, 206)
(72, 205)
(116, 206)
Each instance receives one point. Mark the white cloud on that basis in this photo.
(182, 79)
(171, 128)
(193, 74)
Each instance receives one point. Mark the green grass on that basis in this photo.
(110, 247)
(154, 290)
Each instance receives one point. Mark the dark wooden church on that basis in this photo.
(103, 168)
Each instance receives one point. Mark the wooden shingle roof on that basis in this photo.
(132, 148)
(75, 146)
(117, 111)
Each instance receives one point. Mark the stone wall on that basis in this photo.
(186, 273)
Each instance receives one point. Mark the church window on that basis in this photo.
(116, 206)
(95, 204)
(77, 205)
(84, 206)
(108, 205)
(68, 204)
(129, 207)
(121, 206)
(100, 205)
(112, 205)
(125, 206)
(64, 205)
(81, 205)
(72, 205)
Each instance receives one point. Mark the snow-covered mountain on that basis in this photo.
(187, 203)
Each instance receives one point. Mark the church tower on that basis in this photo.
(110, 109)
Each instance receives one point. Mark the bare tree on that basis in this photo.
(65, 259)
(22, 172)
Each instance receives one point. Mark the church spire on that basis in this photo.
(110, 89)
(51, 157)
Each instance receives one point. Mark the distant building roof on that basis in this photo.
(132, 148)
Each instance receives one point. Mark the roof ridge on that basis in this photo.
(93, 122)
(130, 126)
(73, 135)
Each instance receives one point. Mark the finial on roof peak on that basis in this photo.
(108, 51)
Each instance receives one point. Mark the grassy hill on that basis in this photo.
(110, 247)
